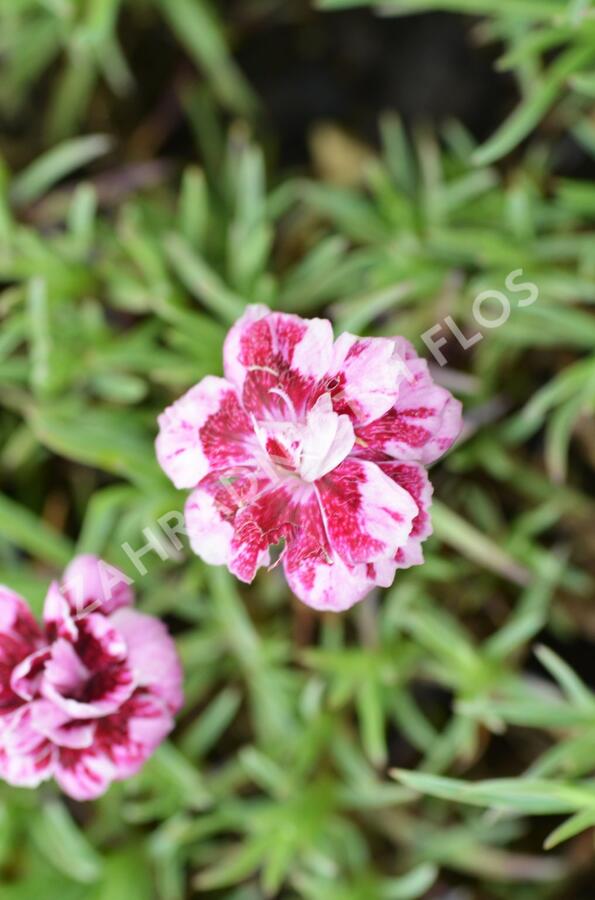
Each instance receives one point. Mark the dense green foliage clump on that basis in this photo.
(439, 740)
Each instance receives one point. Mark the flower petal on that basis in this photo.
(26, 756)
(234, 348)
(367, 515)
(317, 575)
(16, 618)
(152, 655)
(134, 732)
(424, 422)
(59, 728)
(327, 440)
(57, 614)
(123, 742)
(91, 584)
(20, 636)
(265, 521)
(364, 376)
(209, 531)
(277, 361)
(263, 339)
(329, 585)
(83, 774)
(27, 676)
(414, 479)
(211, 509)
(205, 429)
(308, 544)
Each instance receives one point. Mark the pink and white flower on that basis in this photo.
(315, 443)
(89, 695)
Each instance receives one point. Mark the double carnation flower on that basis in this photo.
(310, 453)
(316, 445)
(87, 696)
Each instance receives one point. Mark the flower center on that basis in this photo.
(307, 449)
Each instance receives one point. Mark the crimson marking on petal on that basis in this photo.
(131, 734)
(288, 333)
(264, 522)
(20, 634)
(342, 502)
(234, 489)
(414, 479)
(256, 345)
(282, 355)
(367, 515)
(266, 395)
(393, 427)
(83, 774)
(275, 336)
(20, 637)
(224, 433)
(279, 454)
(203, 429)
(309, 545)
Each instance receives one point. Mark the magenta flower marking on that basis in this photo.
(317, 444)
(87, 697)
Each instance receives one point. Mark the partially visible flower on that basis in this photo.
(88, 696)
(317, 444)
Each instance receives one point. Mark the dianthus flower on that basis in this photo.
(317, 444)
(87, 697)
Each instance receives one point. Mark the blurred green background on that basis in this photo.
(164, 162)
